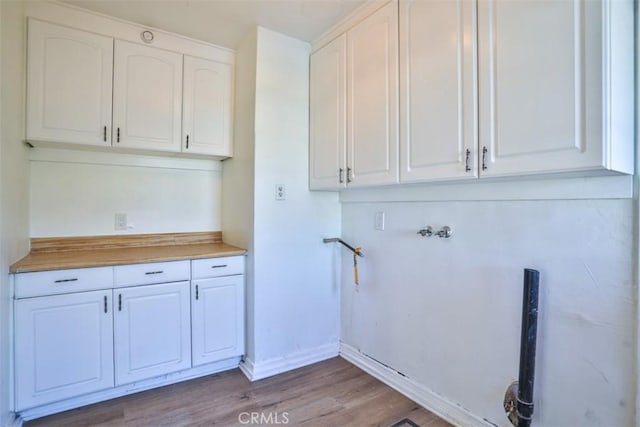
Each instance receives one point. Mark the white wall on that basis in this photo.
(238, 174)
(292, 291)
(14, 175)
(446, 313)
(296, 296)
(81, 197)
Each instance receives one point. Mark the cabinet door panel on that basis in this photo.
(327, 113)
(539, 85)
(152, 325)
(438, 90)
(69, 82)
(372, 82)
(147, 97)
(217, 318)
(64, 347)
(207, 107)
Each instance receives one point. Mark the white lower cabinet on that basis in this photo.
(151, 331)
(217, 318)
(63, 347)
(95, 331)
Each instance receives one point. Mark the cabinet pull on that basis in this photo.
(119, 302)
(484, 158)
(349, 175)
(340, 172)
(118, 135)
(104, 134)
(466, 161)
(197, 294)
(105, 303)
(154, 272)
(187, 142)
(219, 266)
(66, 280)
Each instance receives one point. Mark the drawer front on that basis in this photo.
(214, 267)
(155, 272)
(62, 281)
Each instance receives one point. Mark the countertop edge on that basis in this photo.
(32, 263)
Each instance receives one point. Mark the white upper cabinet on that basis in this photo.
(68, 85)
(207, 107)
(438, 90)
(556, 86)
(372, 100)
(147, 97)
(115, 90)
(327, 116)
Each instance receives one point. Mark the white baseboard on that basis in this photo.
(14, 420)
(420, 394)
(258, 370)
(99, 396)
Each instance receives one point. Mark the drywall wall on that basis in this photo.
(238, 174)
(296, 294)
(82, 197)
(14, 176)
(446, 312)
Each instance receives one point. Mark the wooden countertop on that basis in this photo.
(100, 251)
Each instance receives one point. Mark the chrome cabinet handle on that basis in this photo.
(104, 134)
(219, 266)
(484, 158)
(105, 303)
(340, 172)
(197, 293)
(466, 161)
(118, 135)
(187, 142)
(349, 176)
(66, 280)
(119, 302)
(154, 272)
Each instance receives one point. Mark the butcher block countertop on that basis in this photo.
(99, 251)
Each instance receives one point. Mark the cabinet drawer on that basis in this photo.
(156, 272)
(214, 267)
(62, 281)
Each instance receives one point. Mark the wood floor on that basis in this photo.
(332, 393)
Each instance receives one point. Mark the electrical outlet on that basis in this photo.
(280, 192)
(378, 221)
(121, 221)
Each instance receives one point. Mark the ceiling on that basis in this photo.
(226, 22)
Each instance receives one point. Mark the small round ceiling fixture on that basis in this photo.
(147, 36)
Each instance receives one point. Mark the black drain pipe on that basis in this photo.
(518, 402)
(528, 347)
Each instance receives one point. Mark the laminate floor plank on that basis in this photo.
(333, 393)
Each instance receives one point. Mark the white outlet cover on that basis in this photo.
(378, 221)
(280, 192)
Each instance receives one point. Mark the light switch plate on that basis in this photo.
(121, 221)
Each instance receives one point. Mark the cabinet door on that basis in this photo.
(438, 90)
(217, 318)
(372, 100)
(540, 68)
(69, 81)
(147, 97)
(152, 331)
(207, 108)
(327, 116)
(63, 347)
